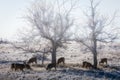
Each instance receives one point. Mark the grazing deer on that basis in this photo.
(103, 60)
(50, 66)
(62, 59)
(31, 60)
(87, 65)
(17, 66)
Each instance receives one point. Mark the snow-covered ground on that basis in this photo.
(73, 55)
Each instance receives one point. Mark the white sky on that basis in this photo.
(11, 12)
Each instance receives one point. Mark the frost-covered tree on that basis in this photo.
(97, 29)
(52, 21)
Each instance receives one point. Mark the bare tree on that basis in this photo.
(52, 21)
(30, 42)
(33, 46)
(97, 29)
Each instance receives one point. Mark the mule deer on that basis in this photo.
(31, 60)
(103, 60)
(61, 60)
(50, 66)
(17, 66)
(87, 65)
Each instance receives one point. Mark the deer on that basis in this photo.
(50, 66)
(103, 60)
(31, 60)
(87, 65)
(61, 60)
(18, 66)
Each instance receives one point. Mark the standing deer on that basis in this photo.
(103, 60)
(61, 60)
(31, 60)
(17, 66)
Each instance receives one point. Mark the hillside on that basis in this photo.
(74, 56)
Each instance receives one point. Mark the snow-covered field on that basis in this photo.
(73, 55)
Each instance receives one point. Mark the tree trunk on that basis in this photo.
(95, 59)
(43, 58)
(54, 55)
(94, 51)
